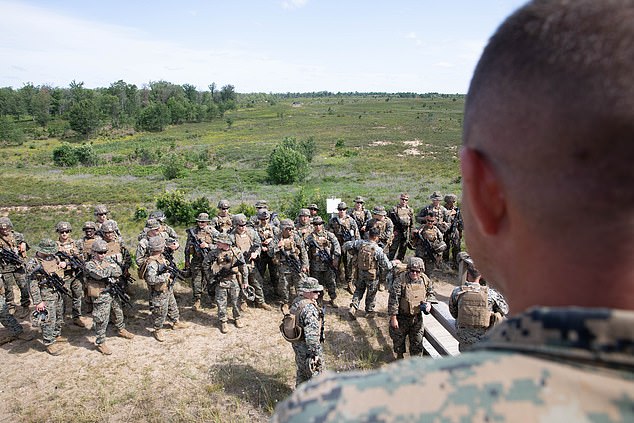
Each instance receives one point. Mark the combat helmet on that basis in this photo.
(152, 224)
(202, 217)
(89, 225)
(99, 246)
(286, 223)
(156, 243)
(416, 264)
(63, 227)
(5, 223)
(109, 226)
(223, 204)
(158, 215)
(263, 214)
(223, 238)
(304, 212)
(239, 219)
(101, 209)
(47, 246)
(342, 206)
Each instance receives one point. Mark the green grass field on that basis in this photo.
(370, 146)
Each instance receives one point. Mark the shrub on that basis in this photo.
(140, 213)
(286, 166)
(10, 133)
(306, 147)
(247, 209)
(173, 166)
(86, 155)
(176, 208)
(154, 117)
(65, 156)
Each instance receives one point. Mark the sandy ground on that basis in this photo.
(198, 374)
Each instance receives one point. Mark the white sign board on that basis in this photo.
(331, 204)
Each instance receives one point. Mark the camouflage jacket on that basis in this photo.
(397, 290)
(309, 321)
(547, 364)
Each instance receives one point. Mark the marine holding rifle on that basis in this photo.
(345, 229)
(199, 242)
(44, 276)
(324, 252)
(291, 259)
(102, 275)
(13, 249)
(222, 266)
(69, 251)
(159, 275)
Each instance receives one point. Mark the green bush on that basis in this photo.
(286, 166)
(246, 209)
(140, 213)
(67, 155)
(176, 208)
(10, 133)
(173, 166)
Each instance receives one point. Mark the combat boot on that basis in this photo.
(265, 306)
(350, 288)
(381, 287)
(25, 335)
(399, 356)
(158, 335)
(78, 321)
(370, 314)
(61, 338)
(352, 311)
(333, 303)
(196, 306)
(103, 348)
(179, 325)
(124, 333)
(54, 349)
(224, 328)
(239, 323)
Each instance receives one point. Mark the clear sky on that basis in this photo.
(257, 46)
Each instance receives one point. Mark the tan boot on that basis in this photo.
(124, 333)
(265, 306)
(351, 312)
(239, 323)
(54, 349)
(224, 328)
(103, 348)
(61, 338)
(196, 306)
(158, 335)
(399, 356)
(78, 321)
(179, 325)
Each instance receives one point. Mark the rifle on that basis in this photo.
(246, 256)
(399, 226)
(454, 223)
(293, 262)
(8, 257)
(76, 264)
(170, 267)
(53, 280)
(117, 291)
(428, 249)
(322, 338)
(325, 257)
(196, 243)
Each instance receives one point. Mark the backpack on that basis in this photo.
(366, 258)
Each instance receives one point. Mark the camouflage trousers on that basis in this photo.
(199, 282)
(327, 279)
(453, 248)
(408, 326)
(101, 315)
(367, 284)
(398, 248)
(52, 327)
(302, 356)
(7, 320)
(228, 292)
(468, 336)
(12, 278)
(345, 269)
(77, 293)
(287, 281)
(163, 307)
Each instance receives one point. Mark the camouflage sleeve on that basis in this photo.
(498, 301)
(256, 240)
(152, 275)
(382, 260)
(453, 302)
(302, 250)
(32, 281)
(141, 251)
(171, 232)
(395, 296)
(309, 320)
(389, 230)
(354, 228)
(335, 247)
(98, 273)
(429, 288)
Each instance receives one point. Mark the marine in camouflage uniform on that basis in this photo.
(438, 210)
(16, 331)
(402, 217)
(345, 229)
(194, 257)
(477, 308)
(102, 271)
(453, 235)
(44, 294)
(247, 240)
(222, 222)
(101, 217)
(360, 216)
(165, 228)
(85, 245)
(303, 224)
(152, 228)
(370, 261)
(222, 265)
(262, 205)
(526, 147)
(308, 350)
(386, 235)
(267, 233)
(428, 244)
(326, 242)
(66, 245)
(411, 295)
(13, 273)
(161, 285)
(291, 258)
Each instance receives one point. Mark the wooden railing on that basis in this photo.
(440, 332)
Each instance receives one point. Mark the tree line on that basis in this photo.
(150, 108)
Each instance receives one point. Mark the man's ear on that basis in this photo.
(485, 197)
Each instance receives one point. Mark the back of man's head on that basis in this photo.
(550, 116)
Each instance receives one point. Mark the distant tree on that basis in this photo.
(286, 165)
(178, 108)
(41, 106)
(9, 103)
(191, 93)
(83, 116)
(26, 95)
(306, 148)
(155, 117)
(10, 133)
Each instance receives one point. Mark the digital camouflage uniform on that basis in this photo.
(548, 364)
(41, 291)
(7, 320)
(453, 235)
(386, 235)
(370, 261)
(309, 317)
(345, 229)
(194, 260)
(267, 233)
(432, 253)
(288, 277)
(99, 274)
(222, 224)
(231, 263)
(320, 270)
(161, 293)
(249, 242)
(74, 285)
(13, 274)
(406, 294)
(482, 315)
